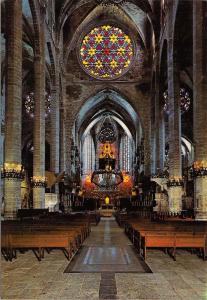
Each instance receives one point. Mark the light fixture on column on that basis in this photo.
(199, 168)
(30, 104)
(185, 100)
(175, 181)
(12, 171)
(39, 181)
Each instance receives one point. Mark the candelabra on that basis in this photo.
(39, 181)
(12, 171)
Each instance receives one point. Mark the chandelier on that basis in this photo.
(110, 2)
(30, 104)
(185, 101)
(107, 179)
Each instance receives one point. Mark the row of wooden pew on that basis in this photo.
(31, 213)
(44, 234)
(121, 218)
(168, 236)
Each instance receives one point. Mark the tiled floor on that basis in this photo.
(26, 278)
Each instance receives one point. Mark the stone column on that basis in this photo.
(55, 132)
(162, 140)
(153, 151)
(153, 127)
(147, 139)
(62, 142)
(159, 133)
(174, 121)
(13, 122)
(200, 104)
(69, 122)
(2, 135)
(39, 132)
(157, 125)
(147, 153)
(68, 139)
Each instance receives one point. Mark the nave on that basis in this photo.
(120, 275)
(103, 113)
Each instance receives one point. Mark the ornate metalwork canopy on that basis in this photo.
(107, 179)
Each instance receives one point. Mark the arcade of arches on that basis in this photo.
(103, 118)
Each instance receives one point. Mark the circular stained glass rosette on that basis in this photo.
(106, 52)
(185, 101)
(30, 102)
(107, 135)
(110, 2)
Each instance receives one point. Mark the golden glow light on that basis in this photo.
(200, 164)
(12, 170)
(80, 193)
(39, 179)
(88, 179)
(176, 178)
(12, 166)
(126, 178)
(107, 200)
(107, 151)
(134, 193)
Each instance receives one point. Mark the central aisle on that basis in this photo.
(26, 278)
(107, 250)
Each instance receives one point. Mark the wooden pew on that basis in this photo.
(26, 213)
(193, 241)
(38, 242)
(28, 233)
(173, 241)
(189, 234)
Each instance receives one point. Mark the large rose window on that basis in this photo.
(106, 52)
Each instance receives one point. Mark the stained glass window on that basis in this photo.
(185, 100)
(88, 155)
(107, 134)
(106, 52)
(125, 151)
(30, 104)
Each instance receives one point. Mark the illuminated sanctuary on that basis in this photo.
(103, 149)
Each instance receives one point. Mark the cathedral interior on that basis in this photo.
(103, 149)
